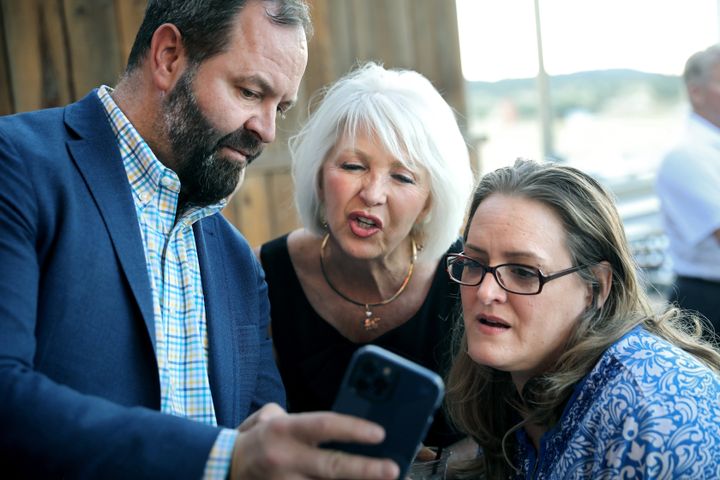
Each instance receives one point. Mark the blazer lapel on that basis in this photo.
(96, 154)
(221, 335)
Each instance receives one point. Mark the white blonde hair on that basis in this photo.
(412, 121)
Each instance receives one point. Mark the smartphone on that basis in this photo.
(394, 392)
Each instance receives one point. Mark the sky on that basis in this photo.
(498, 39)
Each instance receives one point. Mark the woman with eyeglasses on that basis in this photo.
(564, 370)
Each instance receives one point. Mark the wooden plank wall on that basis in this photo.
(53, 52)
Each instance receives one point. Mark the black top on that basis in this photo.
(312, 355)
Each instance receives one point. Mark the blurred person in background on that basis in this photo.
(563, 370)
(688, 184)
(382, 179)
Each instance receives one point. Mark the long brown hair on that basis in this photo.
(482, 401)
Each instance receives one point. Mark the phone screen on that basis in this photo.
(394, 392)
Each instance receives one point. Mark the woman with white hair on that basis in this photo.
(382, 178)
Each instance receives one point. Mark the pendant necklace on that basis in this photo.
(370, 322)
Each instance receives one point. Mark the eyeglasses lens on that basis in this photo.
(513, 278)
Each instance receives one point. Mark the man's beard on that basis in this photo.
(206, 177)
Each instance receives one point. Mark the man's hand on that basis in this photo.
(275, 445)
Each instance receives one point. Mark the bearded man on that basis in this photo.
(134, 318)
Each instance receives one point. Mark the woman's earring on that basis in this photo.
(417, 237)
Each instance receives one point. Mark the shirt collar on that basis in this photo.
(703, 130)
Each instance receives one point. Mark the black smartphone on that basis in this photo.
(394, 392)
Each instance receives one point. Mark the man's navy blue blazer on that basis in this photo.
(79, 387)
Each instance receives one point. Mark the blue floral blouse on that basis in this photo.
(647, 410)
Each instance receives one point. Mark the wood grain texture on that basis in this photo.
(280, 191)
(93, 43)
(255, 210)
(129, 15)
(36, 56)
(7, 105)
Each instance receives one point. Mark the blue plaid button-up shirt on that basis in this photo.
(181, 345)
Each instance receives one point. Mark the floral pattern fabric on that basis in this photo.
(647, 410)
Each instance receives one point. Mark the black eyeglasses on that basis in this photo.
(512, 277)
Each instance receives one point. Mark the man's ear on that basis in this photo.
(696, 95)
(603, 274)
(167, 59)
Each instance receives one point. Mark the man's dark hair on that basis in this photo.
(699, 66)
(205, 25)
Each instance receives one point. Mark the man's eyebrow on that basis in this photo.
(259, 82)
